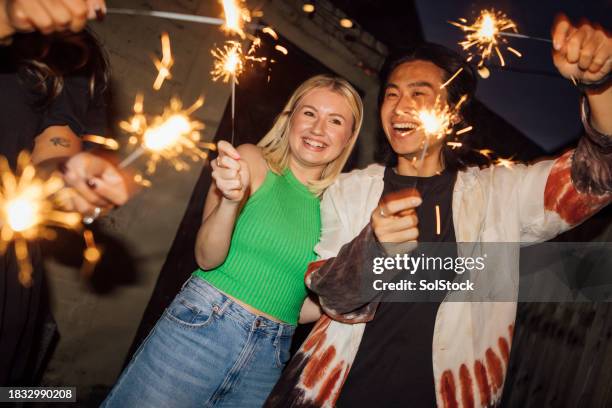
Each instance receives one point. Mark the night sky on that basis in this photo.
(540, 103)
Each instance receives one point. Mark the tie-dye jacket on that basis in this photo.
(471, 341)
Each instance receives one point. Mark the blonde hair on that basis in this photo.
(275, 144)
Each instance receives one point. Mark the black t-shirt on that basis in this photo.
(393, 366)
(23, 311)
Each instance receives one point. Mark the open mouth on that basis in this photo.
(314, 144)
(404, 128)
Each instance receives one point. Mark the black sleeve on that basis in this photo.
(75, 107)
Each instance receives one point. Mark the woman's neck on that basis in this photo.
(305, 174)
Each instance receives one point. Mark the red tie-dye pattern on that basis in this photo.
(447, 390)
(318, 334)
(315, 369)
(495, 369)
(330, 382)
(561, 196)
(467, 397)
(504, 348)
(483, 383)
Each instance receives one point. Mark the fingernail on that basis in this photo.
(416, 201)
(91, 183)
(556, 46)
(100, 14)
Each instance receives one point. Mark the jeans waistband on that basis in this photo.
(225, 304)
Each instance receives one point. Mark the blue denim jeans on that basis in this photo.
(205, 351)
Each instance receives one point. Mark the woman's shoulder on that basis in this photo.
(258, 166)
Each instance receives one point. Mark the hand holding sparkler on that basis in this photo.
(47, 16)
(231, 174)
(98, 184)
(583, 52)
(395, 221)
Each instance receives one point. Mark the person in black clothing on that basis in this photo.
(52, 93)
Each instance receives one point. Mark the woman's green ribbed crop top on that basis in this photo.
(272, 244)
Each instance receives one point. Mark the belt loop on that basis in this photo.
(279, 334)
(186, 282)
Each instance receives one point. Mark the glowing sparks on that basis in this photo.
(485, 37)
(444, 85)
(507, 163)
(464, 130)
(28, 206)
(454, 145)
(270, 32)
(236, 16)
(486, 153)
(230, 60)
(169, 137)
(281, 49)
(439, 121)
(163, 66)
(106, 142)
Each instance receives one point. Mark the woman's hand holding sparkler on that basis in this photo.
(47, 16)
(231, 173)
(581, 52)
(98, 183)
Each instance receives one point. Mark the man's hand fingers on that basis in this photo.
(574, 43)
(560, 31)
(402, 204)
(402, 236)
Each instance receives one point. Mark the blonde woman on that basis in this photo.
(226, 336)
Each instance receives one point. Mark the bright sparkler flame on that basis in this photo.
(236, 15)
(439, 120)
(170, 136)
(163, 66)
(486, 35)
(230, 60)
(22, 213)
(28, 206)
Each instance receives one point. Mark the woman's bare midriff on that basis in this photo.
(253, 310)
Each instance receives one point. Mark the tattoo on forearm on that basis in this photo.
(60, 141)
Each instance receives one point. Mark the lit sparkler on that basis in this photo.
(486, 35)
(439, 121)
(229, 64)
(28, 207)
(236, 16)
(170, 136)
(163, 66)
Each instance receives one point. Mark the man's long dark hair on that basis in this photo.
(464, 84)
(43, 62)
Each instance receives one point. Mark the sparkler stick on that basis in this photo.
(526, 37)
(233, 107)
(168, 15)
